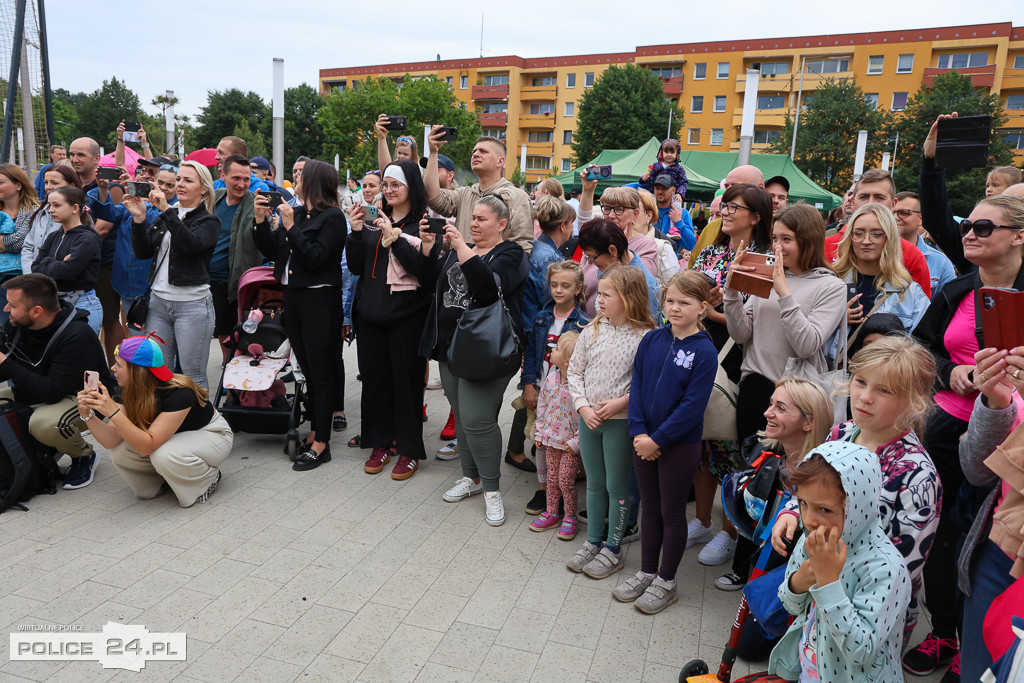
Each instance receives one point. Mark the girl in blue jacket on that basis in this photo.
(673, 374)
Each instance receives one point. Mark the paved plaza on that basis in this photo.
(336, 575)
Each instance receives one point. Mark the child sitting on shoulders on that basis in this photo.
(668, 162)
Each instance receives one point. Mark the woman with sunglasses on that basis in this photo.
(993, 240)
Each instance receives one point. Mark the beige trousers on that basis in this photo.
(187, 462)
(57, 425)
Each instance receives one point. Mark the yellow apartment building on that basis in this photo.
(533, 102)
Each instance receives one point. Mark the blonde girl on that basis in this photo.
(1000, 178)
(599, 379)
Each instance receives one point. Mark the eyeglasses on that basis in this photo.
(905, 213)
(617, 210)
(862, 235)
(982, 228)
(732, 207)
(169, 167)
(391, 187)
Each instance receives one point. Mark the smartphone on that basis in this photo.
(370, 213)
(274, 198)
(396, 122)
(131, 131)
(436, 226)
(963, 142)
(133, 188)
(450, 134)
(603, 172)
(1002, 317)
(91, 381)
(107, 173)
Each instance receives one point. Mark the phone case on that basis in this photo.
(1002, 317)
(963, 142)
(759, 281)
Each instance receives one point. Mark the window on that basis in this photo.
(905, 64)
(696, 104)
(899, 101)
(875, 63)
(1015, 102)
(667, 71)
(566, 137)
(546, 108)
(570, 80)
(716, 136)
(535, 163)
(588, 79)
(449, 80)
(1018, 62)
(700, 71)
(493, 107)
(496, 79)
(872, 99)
(570, 109)
(719, 104)
(828, 66)
(1015, 139)
(463, 82)
(693, 137)
(963, 60)
(763, 137)
(771, 102)
(540, 136)
(494, 133)
(566, 165)
(771, 68)
(723, 70)
(541, 81)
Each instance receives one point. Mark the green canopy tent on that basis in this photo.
(718, 165)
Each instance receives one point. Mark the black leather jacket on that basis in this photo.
(192, 243)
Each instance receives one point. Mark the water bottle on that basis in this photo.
(254, 319)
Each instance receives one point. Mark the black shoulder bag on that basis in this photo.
(485, 345)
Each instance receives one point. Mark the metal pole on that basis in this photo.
(895, 146)
(30, 155)
(796, 118)
(669, 133)
(279, 119)
(885, 161)
(749, 113)
(12, 81)
(169, 123)
(44, 60)
(862, 146)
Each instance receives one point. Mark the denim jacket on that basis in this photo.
(533, 362)
(130, 275)
(536, 292)
(910, 309)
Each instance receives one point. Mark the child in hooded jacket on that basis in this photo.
(668, 162)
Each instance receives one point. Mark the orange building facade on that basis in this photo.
(533, 102)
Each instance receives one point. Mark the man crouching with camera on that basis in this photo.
(45, 350)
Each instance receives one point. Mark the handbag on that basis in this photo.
(138, 309)
(485, 345)
(762, 596)
(720, 415)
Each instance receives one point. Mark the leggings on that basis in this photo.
(313, 324)
(606, 455)
(662, 483)
(563, 466)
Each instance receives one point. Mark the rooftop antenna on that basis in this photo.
(481, 35)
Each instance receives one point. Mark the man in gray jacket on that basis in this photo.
(236, 251)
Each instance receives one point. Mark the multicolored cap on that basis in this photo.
(145, 352)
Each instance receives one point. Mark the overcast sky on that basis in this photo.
(194, 46)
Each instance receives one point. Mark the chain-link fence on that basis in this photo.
(25, 136)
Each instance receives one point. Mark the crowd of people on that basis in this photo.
(862, 367)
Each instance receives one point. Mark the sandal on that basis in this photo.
(355, 442)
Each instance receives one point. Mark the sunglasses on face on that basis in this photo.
(982, 228)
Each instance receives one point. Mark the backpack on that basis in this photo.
(27, 467)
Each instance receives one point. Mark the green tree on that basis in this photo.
(100, 112)
(826, 144)
(626, 106)
(224, 111)
(254, 140)
(303, 134)
(348, 117)
(949, 92)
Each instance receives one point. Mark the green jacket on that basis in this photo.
(242, 252)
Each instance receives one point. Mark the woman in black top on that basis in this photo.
(165, 431)
(467, 278)
(306, 248)
(391, 302)
(71, 256)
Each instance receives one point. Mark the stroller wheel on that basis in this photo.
(696, 667)
(292, 448)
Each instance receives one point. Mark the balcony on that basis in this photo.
(499, 120)
(788, 82)
(539, 93)
(537, 121)
(981, 76)
(541, 149)
(490, 92)
(673, 87)
(763, 117)
(1012, 79)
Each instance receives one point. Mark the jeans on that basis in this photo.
(186, 328)
(990, 576)
(90, 303)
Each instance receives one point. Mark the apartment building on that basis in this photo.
(533, 102)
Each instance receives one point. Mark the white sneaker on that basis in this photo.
(696, 532)
(719, 551)
(449, 452)
(434, 383)
(495, 515)
(463, 488)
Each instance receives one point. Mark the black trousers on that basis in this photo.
(751, 402)
(392, 389)
(339, 378)
(313, 322)
(942, 441)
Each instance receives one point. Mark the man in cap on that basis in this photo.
(672, 221)
(778, 189)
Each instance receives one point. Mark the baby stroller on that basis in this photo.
(252, 394)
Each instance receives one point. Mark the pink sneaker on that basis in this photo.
(567, 531)
(545, 521)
